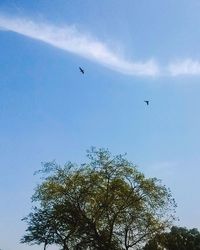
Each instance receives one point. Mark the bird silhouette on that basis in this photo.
(147, 102)
(81, 70)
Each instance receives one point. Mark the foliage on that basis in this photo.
(179, 238)
(103, 204)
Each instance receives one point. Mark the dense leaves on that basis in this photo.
(103, 204)
(179, 238)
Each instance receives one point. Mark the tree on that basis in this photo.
(103, 204)
(178, 238)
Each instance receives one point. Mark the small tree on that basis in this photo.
(178, 238)
(103, 204)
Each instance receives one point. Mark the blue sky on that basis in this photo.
(131, 51)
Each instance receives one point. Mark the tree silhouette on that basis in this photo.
(178, 238)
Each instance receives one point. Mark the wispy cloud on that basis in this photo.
(184, 67)
(72, 40)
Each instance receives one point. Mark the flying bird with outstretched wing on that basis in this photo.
(81, 70)
(147, 102)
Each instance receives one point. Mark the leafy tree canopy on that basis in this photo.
(104, 204)
(179, 238)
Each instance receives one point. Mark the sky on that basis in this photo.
(131, 51)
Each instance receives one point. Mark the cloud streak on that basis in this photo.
(184, 67)
(68, 38)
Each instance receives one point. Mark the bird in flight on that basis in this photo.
(147, 102)
(81, 70)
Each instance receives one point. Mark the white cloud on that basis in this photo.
(184, 67)
(70, 39)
